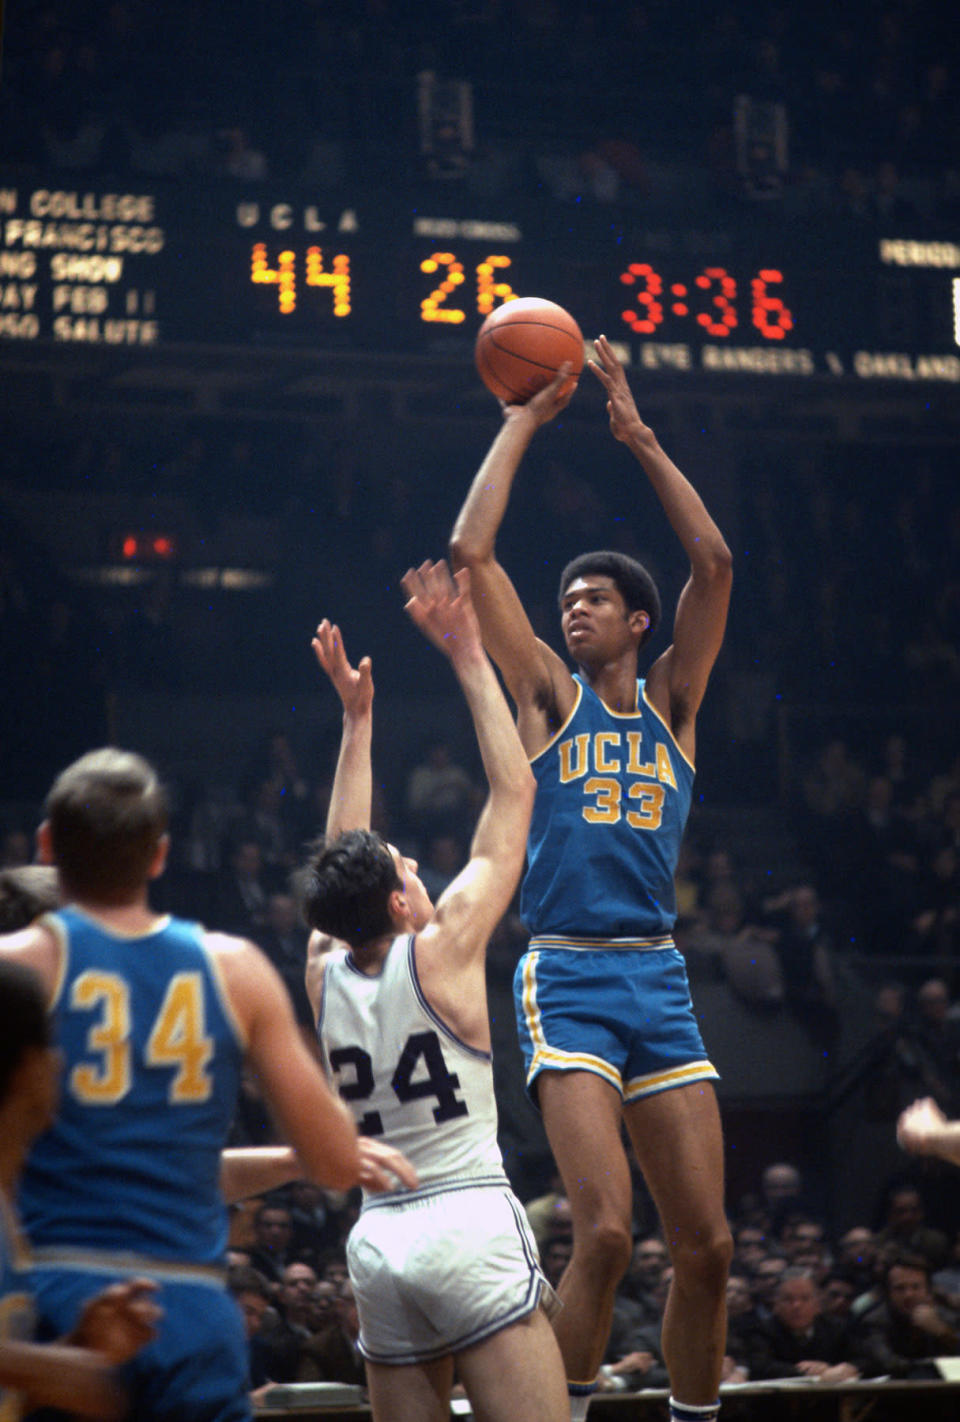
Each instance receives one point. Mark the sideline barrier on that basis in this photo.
(870, 1401)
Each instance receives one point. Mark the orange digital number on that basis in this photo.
(338, 278)
(433, 307)
(283, 275)
(489, 291)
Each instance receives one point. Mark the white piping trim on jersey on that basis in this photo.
(430, 1012)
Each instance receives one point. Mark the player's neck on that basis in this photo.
(370, 957)
(615, 683)
(133, 918)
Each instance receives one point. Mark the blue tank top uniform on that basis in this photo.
(602, 987)
(126, 1181)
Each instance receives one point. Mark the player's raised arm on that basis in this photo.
(677, 682)
(314, 1120)
(529, 667)
(471, 907)
(352, 793)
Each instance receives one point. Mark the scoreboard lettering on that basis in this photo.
(201, 268)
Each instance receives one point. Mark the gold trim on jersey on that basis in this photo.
(668, 729)
(560, 730)
(654, 1081)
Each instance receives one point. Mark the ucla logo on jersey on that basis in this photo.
(604, 753)
(600, 760)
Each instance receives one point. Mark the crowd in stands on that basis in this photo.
(876, 1297)
(591, 103)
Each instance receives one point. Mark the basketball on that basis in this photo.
(521, 346)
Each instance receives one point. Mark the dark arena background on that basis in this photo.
(244, 254)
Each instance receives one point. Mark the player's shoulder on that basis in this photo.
(38, 947)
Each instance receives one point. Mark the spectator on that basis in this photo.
(255, 1301)
(780, 1190)
(638, 1302)
(272, 1233)
(284, 940)
(441, 797)
(805, 950)
(242, 893)
(334, 1348)
(908, 1329)
(857, 1257)
(905, 1228)
(766, 1279)
(750, 1245)
(837, 1292)
(799, 1340)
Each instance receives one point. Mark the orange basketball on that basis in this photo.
(522, 344)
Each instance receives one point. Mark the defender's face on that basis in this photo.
(418, 900)
(595, 622)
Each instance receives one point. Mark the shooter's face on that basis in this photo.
(596, 625)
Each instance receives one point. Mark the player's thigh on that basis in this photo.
(678, 1141)
(518, 1373)
(415, 1392)
(583, 1118)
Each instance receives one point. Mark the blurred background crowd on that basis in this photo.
(819, 892)
(631, 104)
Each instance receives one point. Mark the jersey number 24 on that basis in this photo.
(438, 1082)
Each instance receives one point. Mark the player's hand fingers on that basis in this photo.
(381, 1166)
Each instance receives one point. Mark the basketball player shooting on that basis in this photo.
(613, 757)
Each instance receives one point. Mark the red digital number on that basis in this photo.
(770, 316)
(723, 301)
(650, 315)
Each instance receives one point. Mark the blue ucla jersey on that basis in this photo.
(613, 795)
(152, 1061)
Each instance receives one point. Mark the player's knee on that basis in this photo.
(703, 1260)
(608, 1246)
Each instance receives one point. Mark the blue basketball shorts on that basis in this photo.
(624, 1014)
(196, 1368)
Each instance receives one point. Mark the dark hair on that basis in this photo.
(631, 579)
(26, 892)
(107, 813)
(346, 888)
(244, 1279)
(268, 1206)
(904, 1260)
(24, 1022)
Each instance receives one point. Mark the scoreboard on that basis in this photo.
(197, 265)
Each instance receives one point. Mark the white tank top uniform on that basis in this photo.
(438, 1269)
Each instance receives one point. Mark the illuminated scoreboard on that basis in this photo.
(202, 267)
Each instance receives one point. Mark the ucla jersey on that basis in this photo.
(402, 1071)
(613, 795)
(152, 1072)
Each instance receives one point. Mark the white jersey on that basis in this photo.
(403, 1072)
